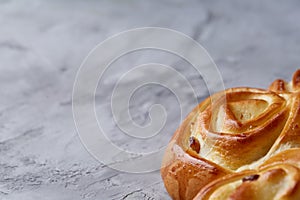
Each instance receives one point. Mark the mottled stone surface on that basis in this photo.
(43, 43)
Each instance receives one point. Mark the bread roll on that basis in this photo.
(236, 141)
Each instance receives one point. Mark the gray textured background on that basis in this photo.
(42, 44)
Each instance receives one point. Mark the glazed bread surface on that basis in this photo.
(235, 142)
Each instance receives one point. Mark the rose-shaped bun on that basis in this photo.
(234, 134)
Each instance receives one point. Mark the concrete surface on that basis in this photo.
(43, 43)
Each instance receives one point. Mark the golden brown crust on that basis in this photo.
(281, 86)
(276, 178)
(234, 134)
(275, 182)
(183, 170)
